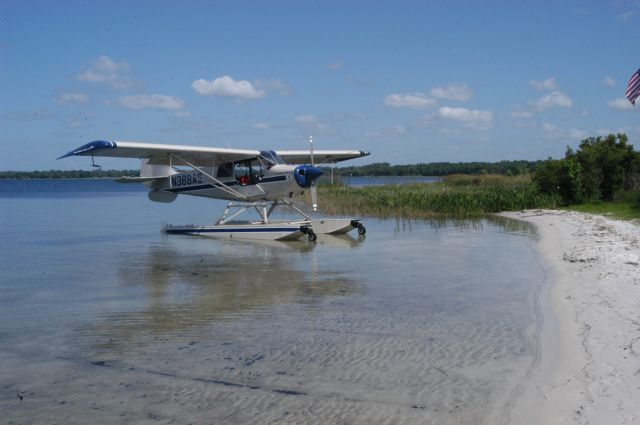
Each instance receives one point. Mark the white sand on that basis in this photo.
(589, 366)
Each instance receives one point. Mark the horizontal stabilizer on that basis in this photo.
(127, 179)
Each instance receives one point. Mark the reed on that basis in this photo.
(457, 196)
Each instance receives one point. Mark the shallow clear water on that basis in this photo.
(103, 315)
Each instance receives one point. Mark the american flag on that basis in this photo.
(633, 88)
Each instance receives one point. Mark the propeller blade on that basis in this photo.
(314, 195)
(314, 190)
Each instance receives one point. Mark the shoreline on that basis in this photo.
(589, 365)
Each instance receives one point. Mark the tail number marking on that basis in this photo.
(186, 179)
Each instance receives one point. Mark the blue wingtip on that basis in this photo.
(90, 147)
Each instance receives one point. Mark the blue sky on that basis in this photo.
(409, 81)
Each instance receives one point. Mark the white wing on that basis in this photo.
(159, 154)
(319, 157)
(163, 154)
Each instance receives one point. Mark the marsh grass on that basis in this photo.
(458, 196)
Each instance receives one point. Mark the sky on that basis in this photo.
(409, 81)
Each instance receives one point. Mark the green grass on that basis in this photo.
(458, 196)
(627, 208)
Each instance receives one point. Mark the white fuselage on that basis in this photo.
(252, 181)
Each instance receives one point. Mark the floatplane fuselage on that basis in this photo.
(250, 180)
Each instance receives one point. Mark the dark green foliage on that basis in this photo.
(560, 177)
(509, 168)
(606, 164)
(601, 168)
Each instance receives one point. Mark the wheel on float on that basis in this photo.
(361, 229)
(312, 236)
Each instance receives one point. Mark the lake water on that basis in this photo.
(104, 319)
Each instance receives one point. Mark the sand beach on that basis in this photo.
(588, 371)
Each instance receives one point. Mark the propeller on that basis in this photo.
(314, 189)
(306, 176)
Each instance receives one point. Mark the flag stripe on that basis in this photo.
(633, 87)
(633, 84)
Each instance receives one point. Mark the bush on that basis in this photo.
(606, 163)
(601, 168)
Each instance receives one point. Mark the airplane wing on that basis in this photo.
(319, 157)
(158, 154)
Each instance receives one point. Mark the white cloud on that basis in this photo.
(154, 101)
(608, 81)
(460, 92)
(577, 134)
(622, 104)
(409, 100)
(551, 100)
(273, 86)
(227, 86)
(306, 119)
(475, 118)
(69, 98)
(105, 70)
(554, 132)
(262, 126)
(548, 84)
(311, 121)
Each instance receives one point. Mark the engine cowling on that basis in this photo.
(306, 174)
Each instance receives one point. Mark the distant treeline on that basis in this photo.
(68, 174)
(508, 168)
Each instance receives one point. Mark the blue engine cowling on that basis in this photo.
(305, 174)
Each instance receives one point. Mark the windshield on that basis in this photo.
(271, 158)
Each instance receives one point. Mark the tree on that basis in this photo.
(607, 162)
(557, 176)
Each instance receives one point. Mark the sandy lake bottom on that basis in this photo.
(105, 320)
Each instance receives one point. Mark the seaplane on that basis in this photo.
(253, 181)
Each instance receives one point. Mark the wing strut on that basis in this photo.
(220, 185)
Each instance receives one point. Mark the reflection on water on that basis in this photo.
(508, 225)
(184, 290)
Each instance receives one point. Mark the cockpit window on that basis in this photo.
(225, 170)
(271, 158)
(248, 172)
